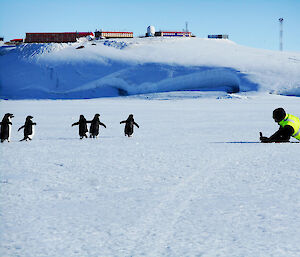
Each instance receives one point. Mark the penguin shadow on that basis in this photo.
(74, 138)
(237, 142)
(253, 142)
(56, 139)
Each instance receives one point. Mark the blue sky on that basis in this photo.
(251, 23)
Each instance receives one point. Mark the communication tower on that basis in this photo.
(280, 33)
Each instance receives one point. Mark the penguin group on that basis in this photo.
(94, 128)
(96, 123)
(5, 128)
(28, 127)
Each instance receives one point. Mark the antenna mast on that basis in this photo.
(186, 27)
(280, 33)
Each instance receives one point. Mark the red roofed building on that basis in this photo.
(113, 34)
(17, 40)
(55, 37)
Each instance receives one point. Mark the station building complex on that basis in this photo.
(69, 37)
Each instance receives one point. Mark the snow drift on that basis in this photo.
(145, 65)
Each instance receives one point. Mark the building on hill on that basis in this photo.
(55, 37)
(173, 34)
(150, 31)
(218, 36)
(17, 41)
(113, 34)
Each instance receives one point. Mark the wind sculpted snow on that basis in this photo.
(145, 65)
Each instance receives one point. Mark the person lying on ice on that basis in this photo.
(289, 126)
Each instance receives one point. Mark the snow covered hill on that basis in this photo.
(143, 65)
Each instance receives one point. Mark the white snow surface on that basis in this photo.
(192, 181)
(143, 65)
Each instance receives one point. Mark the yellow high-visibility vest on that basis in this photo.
(294, 122)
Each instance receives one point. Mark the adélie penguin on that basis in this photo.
(128, 130)
(95, 124)
(28, 128)
(5, 129)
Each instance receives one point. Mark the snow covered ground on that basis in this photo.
(192, 181)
